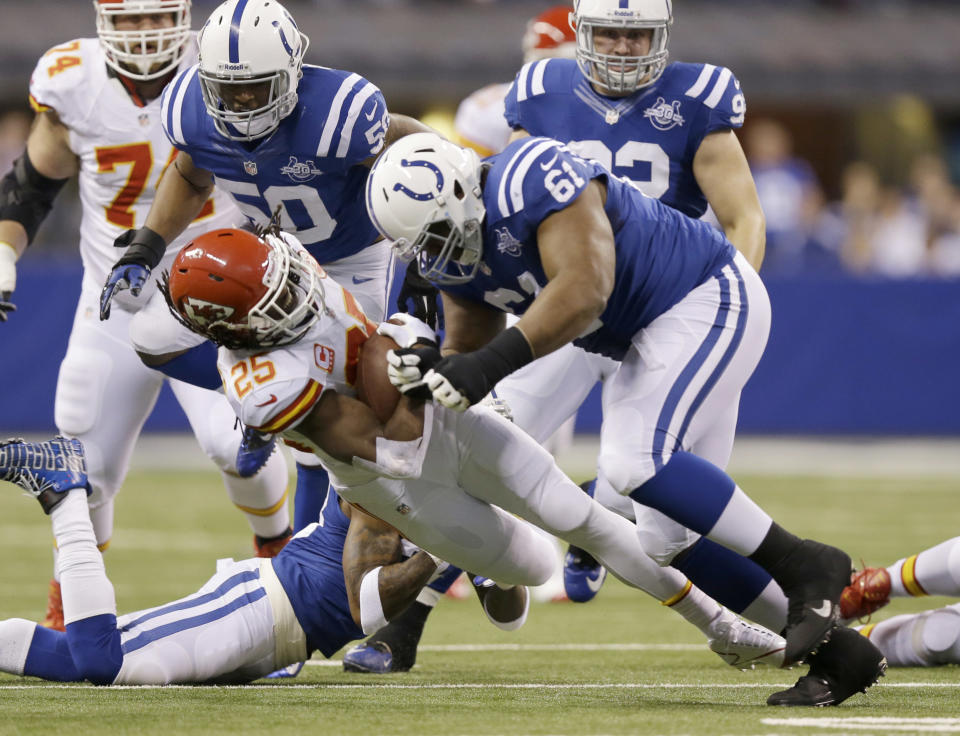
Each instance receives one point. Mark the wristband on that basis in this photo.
(147, 249)
(8, 266)
(507, 352)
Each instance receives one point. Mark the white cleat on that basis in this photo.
(744, 645)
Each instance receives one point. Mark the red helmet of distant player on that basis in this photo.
(550, 35)
(143, 39)
(245, 291)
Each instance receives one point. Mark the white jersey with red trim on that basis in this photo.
(480, 122)
(275, 390)
(122, 152)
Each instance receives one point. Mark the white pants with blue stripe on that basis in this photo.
(225, 632)
(678, 388)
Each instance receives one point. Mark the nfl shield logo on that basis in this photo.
(250, 167)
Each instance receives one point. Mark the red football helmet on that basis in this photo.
(245, 291)
(550, 34)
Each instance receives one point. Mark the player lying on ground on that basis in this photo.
(336, 580)
(451, 482)
(586, 258)
(924, 639)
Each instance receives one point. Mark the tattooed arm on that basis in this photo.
(380, 585)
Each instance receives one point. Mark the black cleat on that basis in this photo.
(813, 577)
(847, 664)
(45, 470)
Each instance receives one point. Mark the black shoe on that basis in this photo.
(813, 577)
(847, 664)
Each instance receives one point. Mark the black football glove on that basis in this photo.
(420, 298)
(6, 306)
(406, 368)
(460, 381)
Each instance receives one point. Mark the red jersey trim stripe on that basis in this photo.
(296, 410)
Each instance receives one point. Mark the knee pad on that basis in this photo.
(940, 636)
(80, 387)
(622, 471)
(661, 538)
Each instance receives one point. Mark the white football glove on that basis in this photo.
(409, 332)
(444, 393)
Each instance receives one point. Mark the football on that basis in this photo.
(373, 387)
(869, 590)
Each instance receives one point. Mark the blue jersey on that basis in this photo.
(310, 568)
(310, 166)
(649, 137)
(661, 254)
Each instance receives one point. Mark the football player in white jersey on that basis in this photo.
(452, 483)
(251, 618)
(98, 117)
(283, 138)
(926, 639)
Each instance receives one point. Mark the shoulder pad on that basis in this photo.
(62, 78)
(714, 87)
(353, 111)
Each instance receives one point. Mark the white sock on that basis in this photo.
(742, 526)
(935, 571)
(84, 584)
(262, 498)
(16, 634)
(697, 608)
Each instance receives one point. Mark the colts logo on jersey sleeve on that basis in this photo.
(664, 115)
(506, 243)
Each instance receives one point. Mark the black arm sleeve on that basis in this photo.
(26, 195)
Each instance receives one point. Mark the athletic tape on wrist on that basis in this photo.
(372, 618)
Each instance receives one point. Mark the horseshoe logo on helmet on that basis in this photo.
(398, 187)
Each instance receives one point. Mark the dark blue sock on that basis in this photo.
(449, 577)
(733, 580)
(688, 489)
(49, 657)
(312, 483)
(95, 647)
(197, 366)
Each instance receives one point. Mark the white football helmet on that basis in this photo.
(424, 194)
(246, 291)
(128, 52)
(622, 74)
(251, 54)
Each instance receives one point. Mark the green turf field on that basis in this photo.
(618, 665)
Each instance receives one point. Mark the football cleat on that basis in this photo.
(744, 645)
(374, 657)
(271, 547)
(583, 576)
(869, 591)
(847, 664)
(255, 449)
(45, 470)
(53, 618)
(813, 577)
(291, 670)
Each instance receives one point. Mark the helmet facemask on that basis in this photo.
(128, 52)
(613, 73)
(424, 194)
(251, 59)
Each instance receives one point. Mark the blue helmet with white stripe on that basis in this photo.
(616, 73)
(251, 54)
(424, 194)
